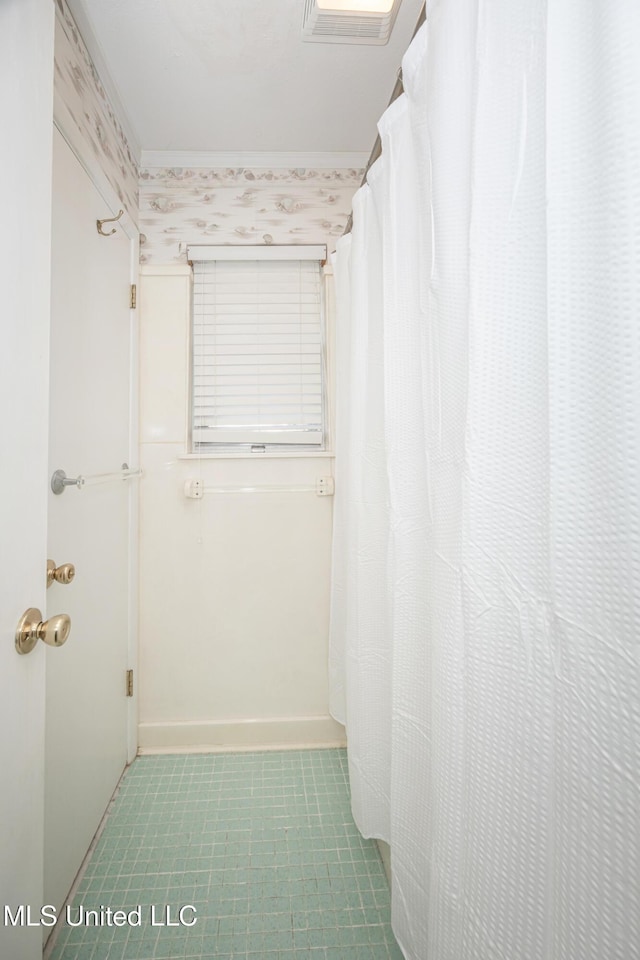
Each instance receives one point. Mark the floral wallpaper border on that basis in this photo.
(80, 89)
(179, 206)
(230, 175)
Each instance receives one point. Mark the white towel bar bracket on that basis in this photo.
(195, 489)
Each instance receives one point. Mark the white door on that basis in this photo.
(90, 415)
(26, 79)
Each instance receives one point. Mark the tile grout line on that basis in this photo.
(264, 844)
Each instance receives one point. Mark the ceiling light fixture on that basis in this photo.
(349, 21)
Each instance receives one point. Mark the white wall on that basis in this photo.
(234, 589)
(90, 118)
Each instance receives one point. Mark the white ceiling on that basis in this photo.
(236, 76)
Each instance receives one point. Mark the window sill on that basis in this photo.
(301, 455)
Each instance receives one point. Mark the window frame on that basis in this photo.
(262, 447)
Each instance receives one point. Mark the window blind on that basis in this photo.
(257, 352)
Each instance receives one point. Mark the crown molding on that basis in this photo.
(290, 161)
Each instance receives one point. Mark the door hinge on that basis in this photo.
(129, 683)
(133, 302)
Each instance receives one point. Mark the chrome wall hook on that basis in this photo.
(100, 223)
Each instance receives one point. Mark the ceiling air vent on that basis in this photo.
(349, 21)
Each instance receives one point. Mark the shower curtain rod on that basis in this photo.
(377, 147)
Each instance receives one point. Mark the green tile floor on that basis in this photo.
(262, 845)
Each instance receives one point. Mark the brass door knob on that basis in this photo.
(32, 628)
(62, 574)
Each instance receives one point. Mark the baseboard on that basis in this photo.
(210, 736)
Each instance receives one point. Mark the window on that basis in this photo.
(257, 348)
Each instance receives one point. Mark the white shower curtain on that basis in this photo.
(485, 648)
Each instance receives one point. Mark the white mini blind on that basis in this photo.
(257, 352)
